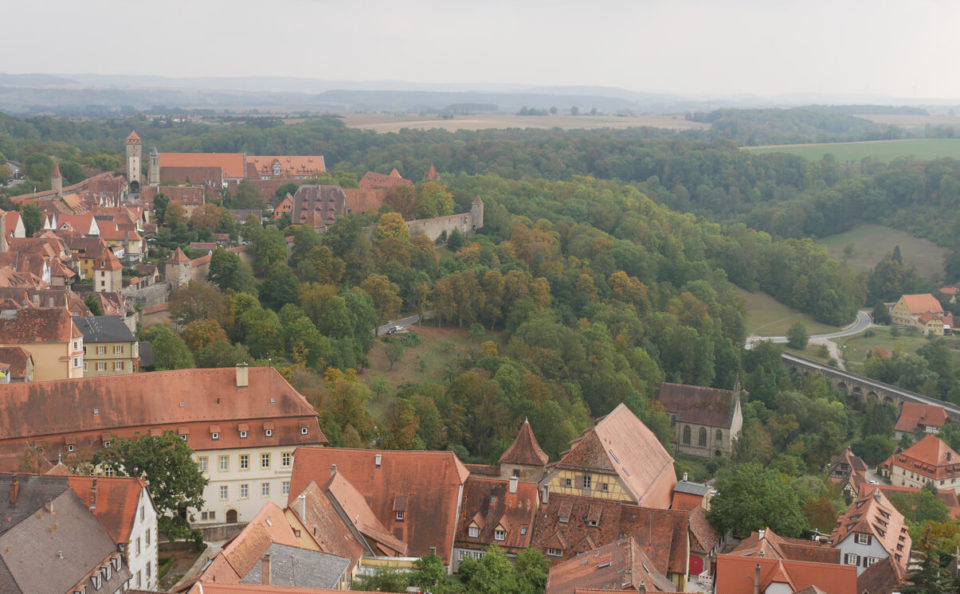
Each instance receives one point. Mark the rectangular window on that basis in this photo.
(138, 545)
(244, 491)
(473, 532)
(101, 350)
(244, 461)
(224, 463)
(101, 365)
(568, 483)
(604, 487)
(264, 460)
(586, 481)
(146, 535)
(76, 362)
(223, 492)
(202, 463)
(851, 559)
(863, 539)
(118, 349)
(148, 568)
(118, 365)
(399, 516)
(500, 535)
(285, 487)
(265, 489)
(286, 458)
(554, 552)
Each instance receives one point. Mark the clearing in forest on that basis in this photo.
(883, 150)
(872, 242)
(768, 317)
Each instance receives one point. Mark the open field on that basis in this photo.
(768, 317)
(815, 352)
(426, 361)
(872, 242)
(858, 346)
(883, 150)
(394, 123)
(912, 121)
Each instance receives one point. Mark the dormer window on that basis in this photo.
(97, 581)
(214, 436)
(269, 432)
(106, 443)
(303, 430)
(500, 534)
(473, 531)
(554, 552)
(399, 516)
(243, 435)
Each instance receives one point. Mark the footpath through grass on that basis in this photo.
(883, 150)
(768, 317)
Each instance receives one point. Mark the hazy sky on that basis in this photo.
(900, 48)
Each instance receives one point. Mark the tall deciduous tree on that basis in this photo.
(750, 497)
(166, 463)
(169, 350)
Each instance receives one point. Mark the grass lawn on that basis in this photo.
(883, 150)
(768, 317)
(858, 346)
(814, 352)
(872, 242)
(438, 347)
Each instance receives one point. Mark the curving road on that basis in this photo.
(862, 322)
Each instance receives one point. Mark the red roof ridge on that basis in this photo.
(525, 450)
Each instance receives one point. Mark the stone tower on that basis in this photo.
(134, 154)
(153, 169)
(107, 273)
(476, 214)
(56, 180)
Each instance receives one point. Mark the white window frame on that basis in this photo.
(101, 349)
(265, 460)
(202, 462)
(286, 459)
(118, 349)
(473, 532)
(224, 493)
(265, 489)
(244, 491)
(244, 461)
(861, 538)
(224, 463)
(399, 516)
(285, 487)
(500, 534)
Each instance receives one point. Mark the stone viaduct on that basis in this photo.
(863, 389)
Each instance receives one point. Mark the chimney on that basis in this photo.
(756, 580)
(761, 533)
(303, 507)
(243, 377)
(513, 484)
(14, 490)
(546, 494)
(93, 494)
(333, 470)
(378, 459)
(684, 477)
(265, 564)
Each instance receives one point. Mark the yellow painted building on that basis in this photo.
(921, 311)
(241, 480)
(51, 338)
(110, 348)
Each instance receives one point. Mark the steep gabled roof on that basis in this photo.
(930, 456)
(114, 500)
(489, 503)
(922, 303)
(525, 450)
(104, 329)
(17, 358)
(37, 326)
(773, 546)
(372, 179)
(736, 575)
(621, 443)
(178, 257)
(425, 486)
(697, 404)
(232, 164)
(874, 515)
(882, 577)
(318, 514)
(619, 565)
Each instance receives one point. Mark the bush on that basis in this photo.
(797, 336)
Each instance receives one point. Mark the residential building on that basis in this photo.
(284, 208)
(373, 180)
(524, 459)
(54, 342)
(706, 421)
(871, 530)
(619, 566)
(916, 417)
(849, 470)
(415, 495)
(86, 252)
(275, 549)
(688, 495)
(107, 273)
(242, 424)
(214, 169)
(882, 577)
(619, 459)
(494, 511)
(676, 541)
(109, 347)
(758, 575)
(767, 544)
(51, 542)
(19, 364)
(922, 311)
(124, 508)
(318, 206)
(930, 460)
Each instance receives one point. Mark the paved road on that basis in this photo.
(403, 323)
(862, 322)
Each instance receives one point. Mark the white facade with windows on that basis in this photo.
(141, 553)
(861, 550)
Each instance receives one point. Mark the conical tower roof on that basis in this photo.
(56, 170)
(178, 257)
(133, 138)
(432, 174)
(525, 450)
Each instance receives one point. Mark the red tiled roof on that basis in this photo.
(930, 457)
(916, 413)
(948, 497)
(619, 565)
(133, 137)
(128, 405)
(372, 179)
(290, 165)
(430, 482)
(17, 358)
(232, 164)
(874, 515)
(114, 500)
(322, 521)
(488, 503)
(525, 450)
(774, 546)
(699, 405)
(922, 303)
(564, 523)
(882, 577)
(239, 556)
(178, 257)
(37, 326)
(703, 536)
(208, 587)
(621, 443)
(432, 173)
(108, 261)
(736, 575)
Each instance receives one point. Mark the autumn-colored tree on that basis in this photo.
(200, 333)
(401, 426)
(196, 301)
(433, 200)
(174, 215)
(206, 216)
(346, 398)
(385, 296)
(402, 198)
